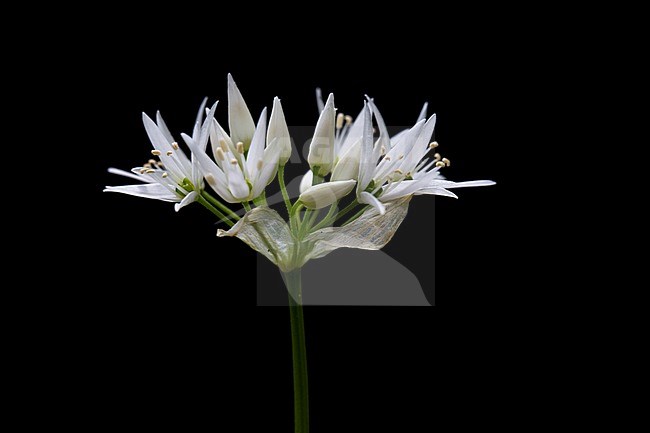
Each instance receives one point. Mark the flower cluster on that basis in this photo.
(345, 158)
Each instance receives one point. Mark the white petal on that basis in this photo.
(256, 150)
(161, 144)
(367, 198)
(324, 194)
(436, 191)
(236, 181)
(242, 126)
(402, 189)
(214, 175)
(354, 133)
(163, 127)
(127, 174)
(466, 184)
(152, 190)
(394, 158)
(420, 147)
(384, 137)
(189, 198)
(348, 166)
(269, 168)
(319, 100)
(278, 130)
(423, 112)
(321, 149)
(367, 165)
(306, 181)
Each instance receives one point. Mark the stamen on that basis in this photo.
(155, 152)
(223, 145)
(446, 161)
(233, 161)
(143, 170)
(440, 164)
(437, 156)
(400, 157)
(433, 144)
(159, 164)
(398, 171)
(260, 163)
(383, 150)
(348, 119)
(210, 178)
(152, 161)
(147, 165)
(339, 120)
(150, 171)
(170, 153)
(387, 158)
(175, 145)
(240, 147)
(165, 174)
(220, 156)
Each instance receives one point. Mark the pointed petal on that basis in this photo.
(348, 166)
(163, 127)
(129, 175)
(180, 168)
(306, 181)
(278, 130)
(242, 126)
(152, 190)
(466, 184)
(269, 168)
(436, 191)
(423, 112)
(367, 165)
(367, 198)
(420, 147)
(256, 150)
(319, 100)
(324, 194)
(188, 199)
(321, 149)
(354, 133)
(384, 137)
(215, 177)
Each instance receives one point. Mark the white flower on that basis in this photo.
(239, 176)
(278, 130)
(324, 194)
(175, 178)
(240, 120)
(321, 148)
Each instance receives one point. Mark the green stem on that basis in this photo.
(214, 210)
(300, 382)
(327, 220)
(347, 209)
(283, 188)
(355, 216)
(213, 201)
(246, 205)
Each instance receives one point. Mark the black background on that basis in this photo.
(157, 335)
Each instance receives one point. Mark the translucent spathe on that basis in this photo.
(265, 231)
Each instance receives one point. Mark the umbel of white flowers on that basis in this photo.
(381, 174)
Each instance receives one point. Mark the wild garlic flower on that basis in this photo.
(246, 161)
(174, 177)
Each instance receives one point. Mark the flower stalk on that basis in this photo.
(300, 380)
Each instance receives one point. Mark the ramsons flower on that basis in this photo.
(174, 177)
(241, 170)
